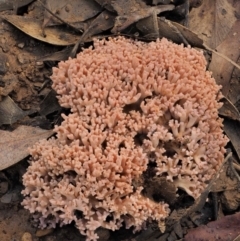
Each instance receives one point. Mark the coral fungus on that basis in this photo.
(132, 103)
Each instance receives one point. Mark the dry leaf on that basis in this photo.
(57, 56)
(232, 130)
(233, 94)
(49, 104)
(14, 145)
(132, 11)
(102, 22)
(222, 69)
(33, 27)
(229, 110)
(167, 29)
(212, 21)
(12, 4)
(71, 12)
(107, 4)
(224, 181)
(10, 112)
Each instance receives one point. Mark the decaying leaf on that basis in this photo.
(233, 94)
(231, 200)
(10, 112)
(13, 4)
(49, 104)
(102, 22)
(224, 229)
(222, 69)
(70, 11)
(107, 4)
(33, 27)
(224, 181)
(229, 110)
(169, 29)
(232, 130)
(132, 11)
(57, 56)
(212, 21)
(14, 145)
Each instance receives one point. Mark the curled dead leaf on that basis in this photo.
(33, 27)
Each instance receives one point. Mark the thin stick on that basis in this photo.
(221, 55)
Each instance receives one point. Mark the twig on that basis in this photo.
(236, 166)
(221, 55)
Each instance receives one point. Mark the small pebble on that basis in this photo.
(22, 58)
(21, 45)
(39, 64)
(26, 237)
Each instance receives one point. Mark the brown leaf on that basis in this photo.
(230, 200)
(233, 94)
(212, 21)
(107, 4)
(224, 181)
(14, 145)
(132, 11)
(167, 29)
(71, 12)
(232, 130)
(57, 56)
(33, 27)
(102, 22)
(12, 4)
(10, 112)
(222, 69)
(229, 110)
(49, 104)
(224, 229)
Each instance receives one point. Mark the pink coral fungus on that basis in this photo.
(132, 103)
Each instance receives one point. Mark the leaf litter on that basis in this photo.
(56, 30)
(71, 12)
(10, 112)
(220, 14)
(14, 145)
